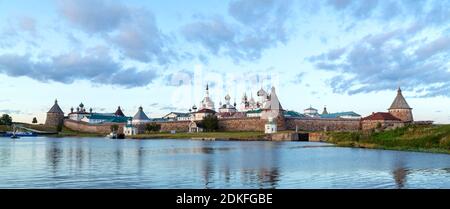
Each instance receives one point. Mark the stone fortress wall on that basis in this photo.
(81, 126)
(237, 124)
(321, 124)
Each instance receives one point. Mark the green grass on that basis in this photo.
(247, 135)
(430, 138)
(65, 132)
(4, 128)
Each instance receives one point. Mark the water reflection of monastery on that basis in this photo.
(263, 112)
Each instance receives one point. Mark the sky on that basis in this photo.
(347, 55)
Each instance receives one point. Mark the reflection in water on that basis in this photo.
(118, 156)
(104, 163)
(54, 154)
(400, 172)
(400, 177)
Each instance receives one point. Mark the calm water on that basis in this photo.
(105, 163)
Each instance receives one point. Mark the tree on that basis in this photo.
(34, 120)
(6, 120)
(378, 126)
(152, 127)
(210, 123)
(114, 128)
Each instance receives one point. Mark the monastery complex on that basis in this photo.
(263, 113)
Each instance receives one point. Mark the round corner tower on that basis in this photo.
(400, 108)
(55, 116)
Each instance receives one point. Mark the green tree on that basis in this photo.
(378, 126)
(152, 127)
(34, 120)
(6, 120)
(114, 128)
(210, 123)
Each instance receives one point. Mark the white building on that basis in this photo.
(129, 129)
(271, 126)
(311, 112)
(272, 107)
(206, 103)
(79, 114)
(177, 116)
(248, 104)
(227, 107)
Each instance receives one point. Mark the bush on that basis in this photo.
(114, 128)
(445, 142)
(6, 120)
(210, 123)
(152, 127)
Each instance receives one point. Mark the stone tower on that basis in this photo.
(400, 108)
(55, 116)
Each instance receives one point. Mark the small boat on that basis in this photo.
(14, 136)
(19, 134)
(114, 135)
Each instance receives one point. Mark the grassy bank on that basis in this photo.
(65, 132)
(4, 128)
(430, 138)
(217, 135)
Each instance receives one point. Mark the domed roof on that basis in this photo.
(227, 97)
(55, 108)
(261, 92)
(81, 105)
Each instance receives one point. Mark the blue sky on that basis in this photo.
(347, 55)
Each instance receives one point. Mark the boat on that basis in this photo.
(19, 134)
(114, 135)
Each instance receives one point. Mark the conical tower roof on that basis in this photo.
(399, 101)
(274, 103)
(55, 108)
(119, 112)
(140, 115)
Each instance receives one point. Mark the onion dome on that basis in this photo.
(227, 97)
(261, 92)
(81, 105)
(325, 111)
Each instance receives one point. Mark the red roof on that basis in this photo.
(381, 116)
(119, 112)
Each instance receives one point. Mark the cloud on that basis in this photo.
(28, 24)
(258, 25)
(430, 12)
(94, 65)
(133, 31)
(94, 16)
(141, 39)
(386, 60)
(9, 111)
(298, 78)
(180, 78)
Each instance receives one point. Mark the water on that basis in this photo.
(105, 163)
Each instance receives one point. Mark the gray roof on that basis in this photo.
(55, 108)
(140, 115)
(399, 101)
